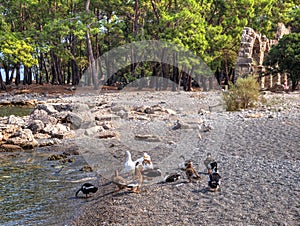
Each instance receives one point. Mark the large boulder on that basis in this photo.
(59, 131)
(74, 119)
(49, 108)
(8, 130)
(36, 126)
(24, 138)
(40, 114)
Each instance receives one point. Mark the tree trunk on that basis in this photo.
(29, 78)
(25, 76)
(12, 75)
(175, 71)
(54, 68)
(2, 84)
(17, 81)
(90, 50)
(6, 69)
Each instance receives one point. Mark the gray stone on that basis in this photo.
(43, 116)
(36, 126)
(48, 108)
(93, 130)
(74, 119)
(80, 107)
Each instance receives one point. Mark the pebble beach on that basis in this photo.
(258, 154)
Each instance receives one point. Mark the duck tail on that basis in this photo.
(77, 192)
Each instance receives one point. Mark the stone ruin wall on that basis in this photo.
(254, 47)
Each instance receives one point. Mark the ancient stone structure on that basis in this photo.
(253, 50)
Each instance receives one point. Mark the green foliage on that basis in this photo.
(16, 51)
(243, 94)
(295, 19)
(210, 29)
(285, 57)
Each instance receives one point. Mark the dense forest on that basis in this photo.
(58, 41)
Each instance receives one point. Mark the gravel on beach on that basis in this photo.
(258, 159)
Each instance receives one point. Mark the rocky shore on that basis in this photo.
(258, 152)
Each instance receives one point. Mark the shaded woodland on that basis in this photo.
(65, 42)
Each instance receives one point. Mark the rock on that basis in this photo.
(93, 130)
(86, 168)
(56, 157)
(254, 115)
(67, 160)
(67, 135)
(48, 108)
(59, 131)
(48, 129)
(60, 128)
(148, 137)
(15, 120)
(62, 107)
(43, 116)
(10, 148)
(23, 138)
(61, 116)
(74, 119)
(109, 117)
(36, 126)
(170, 112)
(48, 142)
(79, 107)
(107, 134)
(9, 130)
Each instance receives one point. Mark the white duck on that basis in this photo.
(129, 164)
(147, 163)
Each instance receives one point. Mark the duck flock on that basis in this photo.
(141, 170)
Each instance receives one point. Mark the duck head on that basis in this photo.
(147, 157)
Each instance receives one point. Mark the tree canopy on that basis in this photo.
(285, 57)
(57, 41)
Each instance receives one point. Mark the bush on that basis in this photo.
(243, 94)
